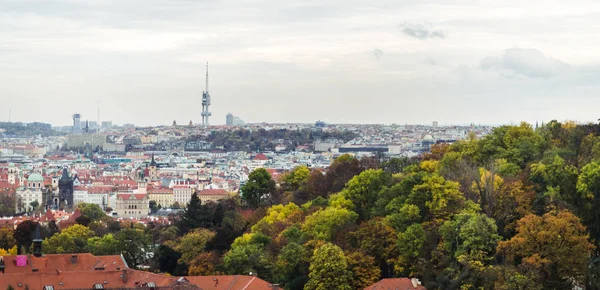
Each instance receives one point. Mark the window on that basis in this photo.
(98, 286)
(48, 287)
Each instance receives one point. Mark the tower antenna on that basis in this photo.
(207, 76)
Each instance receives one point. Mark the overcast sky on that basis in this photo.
(341, 61)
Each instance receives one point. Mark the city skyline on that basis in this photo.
(414, 62)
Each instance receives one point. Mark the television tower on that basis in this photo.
(205, 102)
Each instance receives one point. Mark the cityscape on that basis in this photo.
(299, 145)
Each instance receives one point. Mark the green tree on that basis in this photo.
(588, 186)
(328, 269)
(193, 243)
(135, 245)
(296, 178)
(106, 245)
(324, 223)
(259, 187)
(437, 198)
(363, 190)
(291, 266)
(71, 240)
(92, 211)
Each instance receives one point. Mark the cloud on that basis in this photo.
(378, 53)
(525, 62)
(422, 31)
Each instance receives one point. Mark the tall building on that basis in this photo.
(435, 124)
(206, 102)
(76, 123)
(229, 120)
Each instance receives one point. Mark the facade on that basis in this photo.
(132, 205)
(162, 196)
(182, 194)
(81, 141)
(215, 195)
(33, 191)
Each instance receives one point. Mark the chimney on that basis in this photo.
(2, 264)
(415, 282)
(124, 275)
(74, 259)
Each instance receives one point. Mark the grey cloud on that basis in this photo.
(525, 62)
(422, 31)
(378, 53)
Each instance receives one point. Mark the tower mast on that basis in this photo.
(205, 102)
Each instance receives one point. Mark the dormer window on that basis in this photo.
(48, 287)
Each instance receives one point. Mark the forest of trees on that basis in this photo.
(516, 209)
(28, 129)
(265, 140)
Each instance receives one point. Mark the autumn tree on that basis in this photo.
(554, 245)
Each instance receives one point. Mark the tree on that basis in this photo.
(378, 240)
(167, 259)
(190, 219)
(291, 266)
(106, 245)
(363, 190)
(34, 205)
(71, 240)
(341, 170)
(324, 223)
(554, 245)
(204, 264)
(364, 269)
(437, 198)
(193, 243)
(328, 269)
(296, 178)
(91, 210)
(7, 240)
(258, 188)
(24, 233)
(588, 186)
(153, 206)
(135, 245)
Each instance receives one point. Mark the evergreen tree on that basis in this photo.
(190, 219)
(218, 215)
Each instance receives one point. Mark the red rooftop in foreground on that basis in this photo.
(397, 283)
(86, 271)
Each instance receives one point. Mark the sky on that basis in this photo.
(340, 61)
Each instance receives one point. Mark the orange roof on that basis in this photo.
(261, 156)
(213, 192)
(395, 283)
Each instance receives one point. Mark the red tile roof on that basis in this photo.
(261, 156)
(82, 271)
(213, 192)
(395, 283)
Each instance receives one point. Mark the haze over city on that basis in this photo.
(143, 62)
